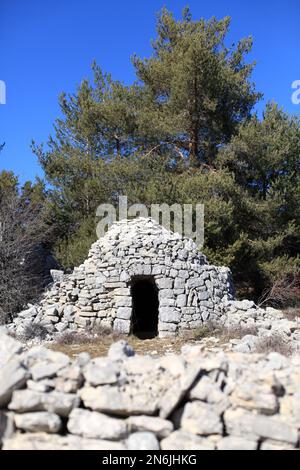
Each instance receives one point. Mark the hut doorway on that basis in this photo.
(144, 307)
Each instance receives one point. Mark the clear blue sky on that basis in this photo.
(47, 46)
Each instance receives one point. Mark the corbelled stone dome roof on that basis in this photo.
(144, 237)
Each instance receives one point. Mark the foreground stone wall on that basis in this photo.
(98, 293)
(196, 400)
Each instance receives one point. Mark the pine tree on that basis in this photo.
(194, 89)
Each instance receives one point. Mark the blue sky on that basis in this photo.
(47, 47)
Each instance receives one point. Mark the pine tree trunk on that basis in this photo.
(194, 134)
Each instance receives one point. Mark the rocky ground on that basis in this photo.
(198, 399)
(243, 327)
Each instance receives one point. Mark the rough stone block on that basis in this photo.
(167, 326)
(201, 418)
(123, 301)
(38, 422)
(164, 283)
(169, 315)
(124, 313)
(92, 424)
(122, 326)
(181, 300)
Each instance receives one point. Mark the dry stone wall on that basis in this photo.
(196, 400)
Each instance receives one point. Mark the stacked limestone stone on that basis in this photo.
(262, 325)
(99, 291)
(196, 400)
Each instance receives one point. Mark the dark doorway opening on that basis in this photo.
(144, 307)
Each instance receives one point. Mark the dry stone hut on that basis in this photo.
(139, 278)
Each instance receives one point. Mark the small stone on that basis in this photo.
(41, 386)
(160, 427)
(45, 370)
(142, 441)
(124, 313)
(101, 371)
(123, 302)
(164, 283)
(255, 394)
(200, 418)
(57, 275)
(251, 426)
(115, 401)
(12, 377)
(269, 444)
(55, 402)
(120, 350)
(96, 425)
(182, 440)
(38, 422)
(122, 326)
(9, 347)
(236, 443)
(169, 315)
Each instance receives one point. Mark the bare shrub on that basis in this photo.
(274, 343)
(74, 337)
(34, 331)
(292, 313)
(101, 331)
(284, 291)
(87, 336)
(3, 317)
(237, 332)
(22, 231)
(203, 331)
(222, 332)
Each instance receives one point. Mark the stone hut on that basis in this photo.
(139, 278)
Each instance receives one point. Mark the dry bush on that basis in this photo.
(74, 337)
(34, 331)
(274, 343)
(204, 331)
(88, 335)
(284, 291)
(21, 234)
(292, 313)
(237, 332)
(99, 330)
(3, 317)
(220, 331)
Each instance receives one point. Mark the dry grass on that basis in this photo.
(237, 332)
(204, 331)
(292, 313)
(274, 343)
(98, 346)
(73, 337)
(98, 343)
(224, 334)
(86, 336)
